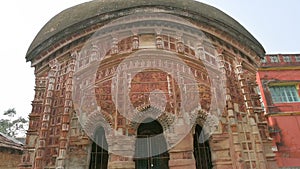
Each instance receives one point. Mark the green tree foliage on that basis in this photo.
(12, 126)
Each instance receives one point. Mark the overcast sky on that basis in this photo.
(274, 23)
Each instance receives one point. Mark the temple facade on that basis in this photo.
(146, 84)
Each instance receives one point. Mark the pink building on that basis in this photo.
(279, 82)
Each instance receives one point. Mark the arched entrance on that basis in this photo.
(202, 152)
(150, 146)
(99, 154)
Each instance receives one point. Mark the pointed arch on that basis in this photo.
(151, 146)
(99, 153)
(202, 152)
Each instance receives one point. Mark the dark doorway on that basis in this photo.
(151, 147)
(201, 150)
(99, 154)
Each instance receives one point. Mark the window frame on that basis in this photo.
(297, 58)
(274, 59)
(284, 93)
(263, 60)
(287, 58)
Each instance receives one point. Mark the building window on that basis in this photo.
(282, 94)
(274, 59)
(286, 58)
(297, 58)
(263, 60)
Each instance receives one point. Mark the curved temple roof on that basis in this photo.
(84, 15)
(8, 142)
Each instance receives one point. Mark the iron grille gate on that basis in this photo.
(150, 153)
(99, 154)
(201, 150)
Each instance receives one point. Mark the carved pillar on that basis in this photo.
(180, 45)
(252, 149)
(63, 140)
(229, 125)
(159, 42)
(135, 42)
(115, 47)
(125, 149)
(181, 156)
(34, 120)
(199, 50)
(39, 159)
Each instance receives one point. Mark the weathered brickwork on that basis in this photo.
(10, 159)
(10, 152)
(59, 138)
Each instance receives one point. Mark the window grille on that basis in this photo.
(282, 94)
(286, 58)
(263, 60)
(297, 58)
(202, 151)
(151, 148)
(99, 154)
(274, 59)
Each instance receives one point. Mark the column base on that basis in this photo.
(121, 165)
(182, 164)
